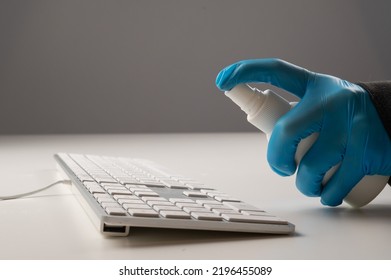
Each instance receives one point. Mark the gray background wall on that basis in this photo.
(149, 66)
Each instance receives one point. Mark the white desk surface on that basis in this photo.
(52, 225)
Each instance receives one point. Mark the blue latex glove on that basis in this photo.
(350, 130)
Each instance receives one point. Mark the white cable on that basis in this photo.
(15, 196)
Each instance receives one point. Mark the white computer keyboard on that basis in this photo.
(120, 193)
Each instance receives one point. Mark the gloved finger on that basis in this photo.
(353, 167)
(325, 153)
(351, 170)
(297, 124)
(269, 70)
(341, 183)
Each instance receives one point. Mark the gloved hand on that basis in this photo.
(350, 130)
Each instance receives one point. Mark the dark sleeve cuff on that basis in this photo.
(380, 93)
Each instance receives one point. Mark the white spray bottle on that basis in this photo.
(264, 108)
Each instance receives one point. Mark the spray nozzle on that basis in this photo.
(246, 97)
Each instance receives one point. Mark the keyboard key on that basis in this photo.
(225, 211)
(239, 206)
(216, 206)
(96, 189)
(145, 193)
(165, 208)
(195, 209)
(85, 178)
(106, 200)
(143, 212)
(112, 204)
(128, 206)
(105, 180)
(174, 184)
(133, 187)
(111, 185)
(206, 216)
(148, 198)
(194, 194)
(181, 205)
(153, 184)
(127, 180)
(119, 192)
(115, 211)
(130, 201)
(212, 193)
(114, 188)
(208, 201)
(161, 203)
(259, 213)
(226, 198)
(196, 186)
(102, 195)
(125, 196)
(175, 214)
(91, 184)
